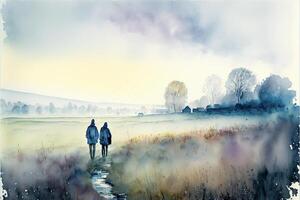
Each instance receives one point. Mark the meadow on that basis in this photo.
(68, 133)
(238, 162)
(174, 156)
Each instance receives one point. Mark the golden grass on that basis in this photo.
(208, 134)
(171, 167)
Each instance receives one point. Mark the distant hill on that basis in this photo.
(31, 98)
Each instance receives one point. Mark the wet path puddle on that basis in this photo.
(104, 189)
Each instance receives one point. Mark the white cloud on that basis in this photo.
(181, 40)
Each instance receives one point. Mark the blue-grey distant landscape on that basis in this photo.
(154, 100)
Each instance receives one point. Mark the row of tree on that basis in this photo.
(241, 88)
(21, 108)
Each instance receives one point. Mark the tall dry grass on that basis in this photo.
(234, 163)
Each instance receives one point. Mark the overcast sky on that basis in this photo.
(129, 51)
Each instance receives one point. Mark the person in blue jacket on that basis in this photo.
(92, 136)
(105, 139)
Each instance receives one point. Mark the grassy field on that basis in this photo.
(238, 162)
(153, 157)
(68, 133)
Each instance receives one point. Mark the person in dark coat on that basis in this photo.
(92, 136)
(105, 139)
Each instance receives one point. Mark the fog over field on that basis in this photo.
(239, 162)
(24, 104)
(191, 99)
(69, 132)
(155, 156)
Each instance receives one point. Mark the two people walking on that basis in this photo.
(92, 136)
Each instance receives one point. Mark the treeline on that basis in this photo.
(242, 92)
(21, 108)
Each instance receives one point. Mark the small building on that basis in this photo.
(208, 107)
(187, 109)
(217, 105)
(198, 110)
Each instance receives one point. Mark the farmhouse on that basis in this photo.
(187, 109)
(198, 110)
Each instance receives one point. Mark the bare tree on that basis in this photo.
(212, 88)
(175, 96)
(239, 82)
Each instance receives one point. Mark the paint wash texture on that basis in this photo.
(149, 100)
